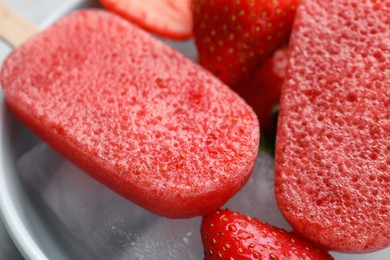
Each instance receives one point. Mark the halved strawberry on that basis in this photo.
(234, 37)
(168, 18)
(233, 236)
(262, 89)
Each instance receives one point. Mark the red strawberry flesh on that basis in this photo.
(168, 18)
(133, 113)
(333, 149)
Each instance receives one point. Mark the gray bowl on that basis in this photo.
(30, 224)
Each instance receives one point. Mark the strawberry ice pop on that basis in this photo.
(133, 113)
(333, 144)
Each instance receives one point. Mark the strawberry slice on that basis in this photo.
(261, 90)
(234, 37)
(231, 235)
(168, 18)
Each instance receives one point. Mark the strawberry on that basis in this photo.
(167, 18)
(261, 90)
(230, 235)
(233, 37)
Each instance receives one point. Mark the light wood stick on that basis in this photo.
(14, 29)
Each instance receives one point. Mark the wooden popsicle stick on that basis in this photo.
(14, 29)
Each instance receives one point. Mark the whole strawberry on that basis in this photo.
(234, 37)
(233, 236)
(262, 89)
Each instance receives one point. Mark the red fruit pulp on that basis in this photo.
(168, 18)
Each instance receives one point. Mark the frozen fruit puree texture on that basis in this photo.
(333, 144)
(133, 113)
